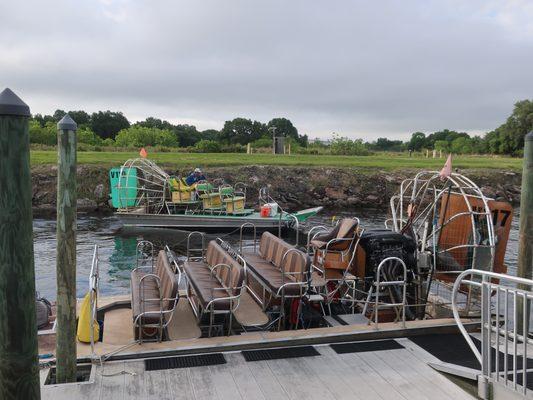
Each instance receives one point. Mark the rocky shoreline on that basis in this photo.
(294, 187)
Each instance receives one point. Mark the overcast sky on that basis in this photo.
(360, 68)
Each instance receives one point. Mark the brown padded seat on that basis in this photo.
(266, 265)
(203, 280)
(168, 287)
(345, 229)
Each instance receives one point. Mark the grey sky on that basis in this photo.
(360, 68)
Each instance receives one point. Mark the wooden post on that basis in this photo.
(525, 233)
(249, 148)
(19, 367)
(440, 153)
(427, 153)
(434, 153)
(66, 251)
(289, 148)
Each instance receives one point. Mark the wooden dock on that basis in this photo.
(401, 373)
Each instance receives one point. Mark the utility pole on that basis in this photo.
(66, 251)
(19, 370)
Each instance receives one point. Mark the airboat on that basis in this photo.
(144, 195)
(436, 266)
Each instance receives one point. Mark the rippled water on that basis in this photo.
(117, 248)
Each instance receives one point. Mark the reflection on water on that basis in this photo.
(117, 248)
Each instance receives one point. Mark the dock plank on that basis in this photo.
(113, 380)
(270, 387)
(179, 384)
(243, 377)
(298, 380)
(407, 389)
(339, 381)
(360, 368)
(224, 383)
(134, 380)
(202, 384)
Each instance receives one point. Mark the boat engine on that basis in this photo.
(376, 246)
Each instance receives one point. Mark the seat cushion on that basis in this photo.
(268, 274)
(202, 282)
(146, 290)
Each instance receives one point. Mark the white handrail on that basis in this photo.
(500, 328)
(93, 293)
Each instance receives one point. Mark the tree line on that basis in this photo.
(112, 129)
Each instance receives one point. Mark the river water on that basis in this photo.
(117, 248)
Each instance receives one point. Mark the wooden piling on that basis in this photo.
(525, 235)
(19, 367)
(66, 251)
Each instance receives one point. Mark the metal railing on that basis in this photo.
(94, 293)
(380, 284)
(504, 328)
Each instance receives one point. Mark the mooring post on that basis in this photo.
(525, 238)
(19, 365)
(66, 251)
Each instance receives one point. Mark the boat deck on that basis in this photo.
(398, 373)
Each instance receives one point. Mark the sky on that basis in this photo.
(362, 69)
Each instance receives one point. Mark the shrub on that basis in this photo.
(139, 136)
(207, 146)
(347, 147)
(43, 135)
(87, 136)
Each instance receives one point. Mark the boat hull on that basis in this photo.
(193, 222)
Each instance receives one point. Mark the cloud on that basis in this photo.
(357, 68)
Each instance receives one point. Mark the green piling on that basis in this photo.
(66, 251)
(525, 235)
(19, 367)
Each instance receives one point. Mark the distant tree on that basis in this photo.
(58, 114)
(509, 137)
(242, 131)
(186, 135)
(384, 144)
(107, 124)
(43, 119)
(152, 122)
(461, 145)
(140, 136)
(80, 117)
(442, 145)
(210, 134)
(417, 142)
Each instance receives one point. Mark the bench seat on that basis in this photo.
(203, 282)
(154, 295)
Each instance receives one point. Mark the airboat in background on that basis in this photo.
(146, 196)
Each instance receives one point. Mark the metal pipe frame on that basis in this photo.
(493, 325)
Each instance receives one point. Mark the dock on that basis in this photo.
(394, 369)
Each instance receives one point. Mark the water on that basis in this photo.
(117, 248)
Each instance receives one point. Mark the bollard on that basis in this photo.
(19, 367)
(525, 241)
(66, 251)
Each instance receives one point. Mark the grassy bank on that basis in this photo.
(386, 161)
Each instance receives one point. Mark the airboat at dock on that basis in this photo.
(144, 195)
(354, 311)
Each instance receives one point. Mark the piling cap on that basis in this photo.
(11, 104)
(67, 124)
(529, 137)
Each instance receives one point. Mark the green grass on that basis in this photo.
(387, 161)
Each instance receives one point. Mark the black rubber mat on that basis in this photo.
(276, 354)
(155, 364)
(453, 349)
(361, 347)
